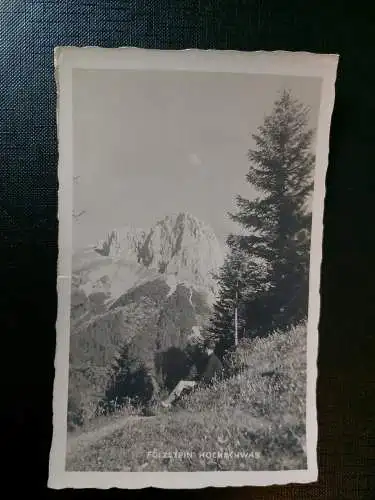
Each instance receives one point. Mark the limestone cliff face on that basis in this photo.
(184, 246)
(180, 247)
(126, 241)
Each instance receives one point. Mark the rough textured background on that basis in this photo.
(28, 202)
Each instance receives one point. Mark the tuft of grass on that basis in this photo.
(255, 420)
(97, 416)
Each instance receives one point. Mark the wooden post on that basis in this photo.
(236, 320)
(235, 327)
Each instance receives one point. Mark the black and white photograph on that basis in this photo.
(191, 199)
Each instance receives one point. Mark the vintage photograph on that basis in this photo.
(191, 202)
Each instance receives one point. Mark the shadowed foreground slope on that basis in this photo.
(255, 420)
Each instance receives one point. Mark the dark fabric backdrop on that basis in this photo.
(29, 30)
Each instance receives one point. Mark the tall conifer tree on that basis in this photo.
(275, 227)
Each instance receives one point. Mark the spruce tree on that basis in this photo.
(278, 220)
(240, 278)
(275, 238)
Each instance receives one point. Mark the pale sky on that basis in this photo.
(148, 144)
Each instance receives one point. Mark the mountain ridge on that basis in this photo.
(179, 246)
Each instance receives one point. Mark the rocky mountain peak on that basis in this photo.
(178, 244)
(126, 241)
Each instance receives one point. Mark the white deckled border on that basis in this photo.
(305, 64)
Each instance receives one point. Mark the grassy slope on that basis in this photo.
(260, 411)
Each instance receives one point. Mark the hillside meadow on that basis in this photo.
(253, 420)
